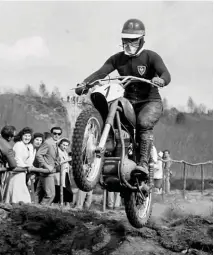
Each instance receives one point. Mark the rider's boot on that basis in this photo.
(145, 148)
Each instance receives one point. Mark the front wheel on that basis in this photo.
(138, 210)
(86, 166)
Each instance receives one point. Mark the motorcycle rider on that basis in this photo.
(136, 61)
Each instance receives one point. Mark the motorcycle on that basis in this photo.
(105, 148)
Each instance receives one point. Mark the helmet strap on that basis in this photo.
(140, 49)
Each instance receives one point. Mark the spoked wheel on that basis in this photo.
(86, 166)
(138, 208)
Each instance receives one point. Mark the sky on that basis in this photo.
(61, 43)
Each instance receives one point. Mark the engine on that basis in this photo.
(126, 138)
(114, 146)
(112, 160)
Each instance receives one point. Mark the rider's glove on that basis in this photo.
(81, 89)
(159, 81)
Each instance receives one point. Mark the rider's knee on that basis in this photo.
(145, 124)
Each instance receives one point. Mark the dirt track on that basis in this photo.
(171, 230)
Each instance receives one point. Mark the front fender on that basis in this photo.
(128, 111)
(100, 103)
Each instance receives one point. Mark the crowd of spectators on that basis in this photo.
(31, 163)
(30, 166)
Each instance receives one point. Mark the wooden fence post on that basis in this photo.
(184, 181)
(3, 183)
(167, 182)
(32, 191)
(163, 183)
(202, 179)
(104, 200)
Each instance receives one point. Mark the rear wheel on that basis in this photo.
(138, 209)
(86, 166)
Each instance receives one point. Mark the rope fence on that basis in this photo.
(165, 186)
(166, 174)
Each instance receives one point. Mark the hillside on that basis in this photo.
(191, 140)
(37, 113)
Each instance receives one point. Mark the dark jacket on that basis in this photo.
(7, 155)
(147, 65)
(47, 154)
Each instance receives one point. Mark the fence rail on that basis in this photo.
(166, 179)
(187, 163)
(166, 174)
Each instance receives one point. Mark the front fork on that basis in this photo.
(108, 124)
(151, 168)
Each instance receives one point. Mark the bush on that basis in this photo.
(180, 118)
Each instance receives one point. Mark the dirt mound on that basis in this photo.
(30, 229)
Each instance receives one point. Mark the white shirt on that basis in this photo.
(24, 154)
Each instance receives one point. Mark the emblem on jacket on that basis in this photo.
(141, 70)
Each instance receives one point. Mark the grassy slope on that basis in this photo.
(22, 111)
(191, 141)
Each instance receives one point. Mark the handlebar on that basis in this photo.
(126, 80)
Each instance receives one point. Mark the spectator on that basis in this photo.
(168, 173)
(33, 179)
(48, 157)
(24, 155)
(74, 187)
(113, 200)
(37, 185)
(65, 168)
(84, 199)
(38, 139)
(7, 156)
(158, 173)
(68, 98)
(166, 156)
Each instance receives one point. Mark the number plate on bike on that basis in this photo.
(110, 91)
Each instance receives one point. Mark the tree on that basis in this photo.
(56, 92)
(180, 118)
(43, 90)
(210, 112)
(29, 91)
(202, 109)
(191, 105)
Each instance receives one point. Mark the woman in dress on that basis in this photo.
(24, 155)
(64, 160)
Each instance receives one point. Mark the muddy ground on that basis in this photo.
(177, 226)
